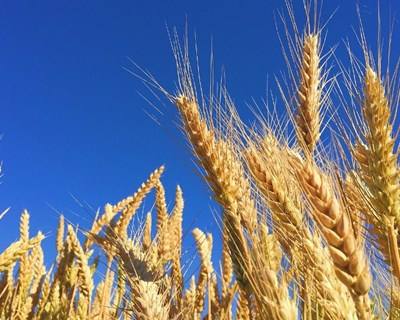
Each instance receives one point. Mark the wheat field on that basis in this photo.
(306, 233)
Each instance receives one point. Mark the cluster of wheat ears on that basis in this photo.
(306, 233)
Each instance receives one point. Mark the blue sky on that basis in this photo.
(74, 122)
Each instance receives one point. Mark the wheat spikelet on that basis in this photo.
(383, 163)
(162, 212)
(176, 234)
(147, 232)
(268, 244)
(25, 270)
(272, 297)
(62, 274)
(24, 226)
(243, 311)
(60, 235)
(204, 248)
(164, 243)
(175, 222)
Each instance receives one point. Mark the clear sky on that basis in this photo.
(76, 130)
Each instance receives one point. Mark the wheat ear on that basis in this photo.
(348, 256)
(25, 270)
(148, 302)
(272, 176)
(204, 248)
(146, 239)
(286, 213)
(225, 176)
(378, 167)
(84, 273)
(309, 94)
(60, 236)
(130, 205)
(175, 224)
(223, 171)
(16, 250)
(99, 223)
(162, 212)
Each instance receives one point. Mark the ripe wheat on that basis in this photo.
(303, 234)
